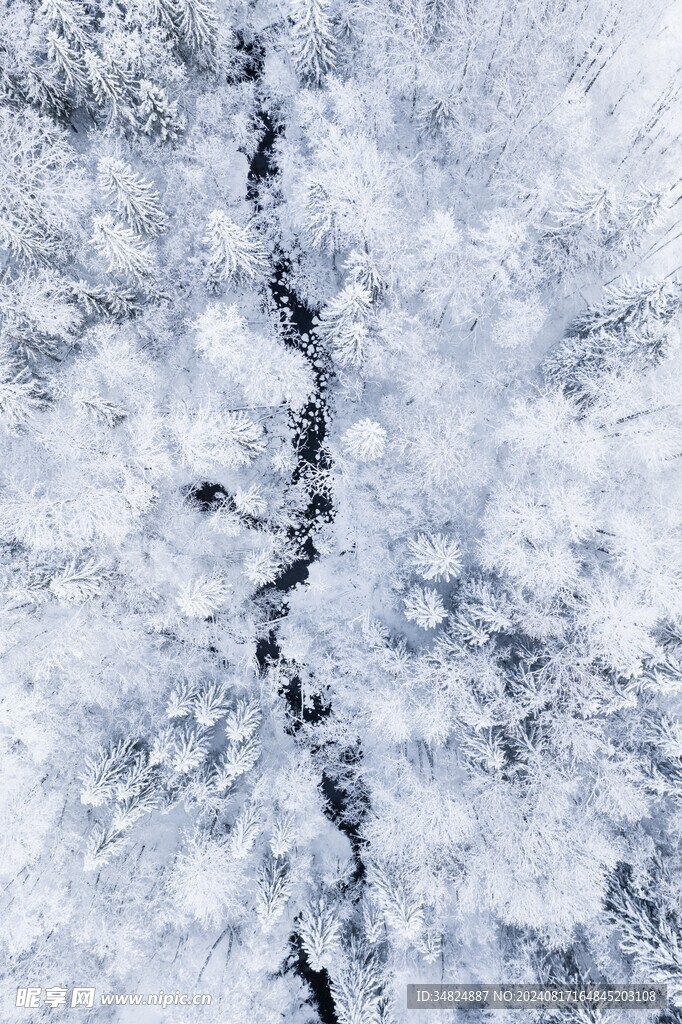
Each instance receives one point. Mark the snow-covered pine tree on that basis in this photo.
(436, 556)
(196, 25)
(424, 606)
(357, 987)
(208, 437)
(155, 113)
(362, 269)
(312, 43)
(20, 394)
(283, 835)
(272, 892)
(631, 305)
(320, 931)
(365, 440)
(639, 213)
(182, 700)
(628, 328)
(245, 831)
(124, 251)
(104, 772)
(42, 90)
(210, 704)
(109, 83)
(68, 63)
(650, 934)
(235, 253)
(343, 324)
(402, 907)
(79, 582)
(102, 846)
(117, 301)
(190, 750)
(135, 198)
(322, 227)
(239, 757)
(69, 19)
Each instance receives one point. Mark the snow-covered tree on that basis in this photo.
(195, 22)
(104, 772)
(135, 198)
(648, 933)
(365, 440)
(435, 556)
(204, 883)
(312, 43)
(124, 251)
(343, 324)
(235, 254)
(423, 605)
(156, 114)
(320, 933)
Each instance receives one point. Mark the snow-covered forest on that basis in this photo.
(340, 503)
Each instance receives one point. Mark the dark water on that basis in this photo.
(317, 980)
(310, 429)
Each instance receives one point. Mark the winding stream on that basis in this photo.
(310, 432)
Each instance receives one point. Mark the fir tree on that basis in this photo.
(207, 436)
(69, 19)
(320, 931)
(44, 92)
(243, 720)
(642, 210)
(109, 83)
(365, 440)
(628, 328)
(77, 583)
(650, 935)
(436, 556)
(203, 597)
(235, 254)
(25, 243)
(424, 606)
(357, 987)
(322, 227)
(104, 772)
(20, 394)
(124, 251)
(103, 845)
(210, 704)
(283, 836)
(273, 891)
(135, 198)
(239, 758)
(343, 324)
(182, 700)
(68, 63)
(311, 39)
(190, 749)
(261, 568)
(196, 24)
(156, 114)
(115, 301)
(245, 831)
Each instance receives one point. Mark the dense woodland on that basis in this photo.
(340, 502)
